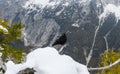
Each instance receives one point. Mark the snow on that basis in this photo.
(53, 3)
(9, 3)
(25, 38)
(41, 3)
(48, 61)
(58, 13)
(4, 29)
(75, 25)
(62, 10)
(37, 2)
(0, 54)
(66, 4)
(110, 8)
(1, 48)
(84, 1)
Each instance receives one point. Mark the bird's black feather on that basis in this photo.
(61, 41)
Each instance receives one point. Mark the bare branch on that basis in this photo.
(106, 67)
(85, 54)
(89, 57)
(61, 49)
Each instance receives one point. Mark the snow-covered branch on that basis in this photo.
(4, 29)
(106, 67)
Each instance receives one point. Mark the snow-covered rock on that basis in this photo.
(48, 61)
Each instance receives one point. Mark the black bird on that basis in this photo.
(60, 41)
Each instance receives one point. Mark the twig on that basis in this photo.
(85, 54)
(106, 67)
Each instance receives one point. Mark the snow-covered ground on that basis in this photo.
(48, 61)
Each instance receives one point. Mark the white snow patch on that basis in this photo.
(40, 3)
(53, 3)
(75, 25)
(110, 8)
(9, 3)
(4, 29)
(25, 38)
(58, 13)
(0, 54)
(84, 1)
(48, 61)
(37, 2)
(66, 4)
(1, 48)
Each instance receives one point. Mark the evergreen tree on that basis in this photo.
(108, 58)
(8, 34)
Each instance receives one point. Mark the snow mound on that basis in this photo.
(48, 61)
